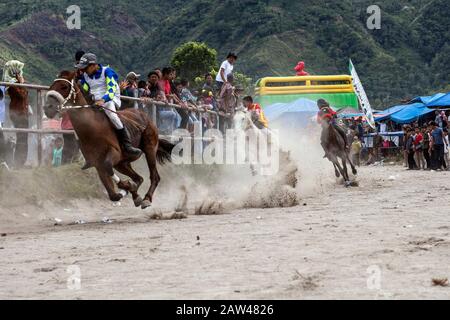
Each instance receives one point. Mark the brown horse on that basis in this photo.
(99, 144)
(18, 113)
(335, 147)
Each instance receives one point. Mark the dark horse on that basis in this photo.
(335, 147)
(99, 144)
(18, 113)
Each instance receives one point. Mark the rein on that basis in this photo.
(73, 93)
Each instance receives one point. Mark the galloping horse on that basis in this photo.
(99, 144)
(18, 113)
(243, 123)
(335, 147)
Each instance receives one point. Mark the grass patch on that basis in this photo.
(32, 186)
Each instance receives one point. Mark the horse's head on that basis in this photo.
(63, 92)
(242, 120)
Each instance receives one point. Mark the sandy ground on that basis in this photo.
(385, 239)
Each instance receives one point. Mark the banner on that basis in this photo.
(362, 97)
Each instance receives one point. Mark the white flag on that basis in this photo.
(362, 97)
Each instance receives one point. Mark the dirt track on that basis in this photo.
(325, 248)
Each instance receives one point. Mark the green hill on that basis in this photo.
(409, 56)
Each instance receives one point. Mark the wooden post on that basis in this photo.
(39, 124)
(154, 115)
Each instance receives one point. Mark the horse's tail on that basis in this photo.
(164, 152)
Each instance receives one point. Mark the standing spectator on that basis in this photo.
(356, 151)
(438, 119)
(418, 147)
(209, 83)
(57, 152)
(129, 88)
(360, 129)
(444, 120)
(226, 68)
(227, 103)
(2, 105)
(410, 149)
(446, 150)
(153, 88)
(426, 147)
(437, 147)
(167, 116)
(176, 94)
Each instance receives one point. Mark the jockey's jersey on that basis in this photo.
(102, 85)
(261, 117)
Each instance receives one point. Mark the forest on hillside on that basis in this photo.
(408, 56)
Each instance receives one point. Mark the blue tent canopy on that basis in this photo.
(427, 99)
(295, 114)
(439, 100)
(391, 111)
(411, 113)
(406, 113)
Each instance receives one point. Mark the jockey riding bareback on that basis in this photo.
(102, 82)
(260, 119)
(328, 114)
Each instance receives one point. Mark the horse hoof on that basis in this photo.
(116, 197)
(347, 184)
(355, 172)
(138, 201)
(145, 204)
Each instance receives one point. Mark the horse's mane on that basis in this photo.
(66, 74)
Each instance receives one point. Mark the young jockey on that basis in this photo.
(326, 113)
(260, 120)
(102, 83)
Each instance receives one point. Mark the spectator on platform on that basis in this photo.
(226, 68)
(129, 88)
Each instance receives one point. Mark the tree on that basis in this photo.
(194, 59)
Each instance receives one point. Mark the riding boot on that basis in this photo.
(124, 140)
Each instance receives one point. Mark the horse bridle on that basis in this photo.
(72, 94)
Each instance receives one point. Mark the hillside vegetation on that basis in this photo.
(409, 56)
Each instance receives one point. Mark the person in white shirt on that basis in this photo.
(226, 68)
(446, 149)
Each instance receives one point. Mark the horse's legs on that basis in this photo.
(132, 187)
(108, 182)
(150, 148)
(336, 171)
(107, 176)
(21, 152)
(344, 167)
(354, 171)
(154, 175)
(336, 164)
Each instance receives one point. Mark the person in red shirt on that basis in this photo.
(259, 118)
(418, 147)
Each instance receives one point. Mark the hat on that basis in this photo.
(86, 60)
(132, 76)
(322, 103)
